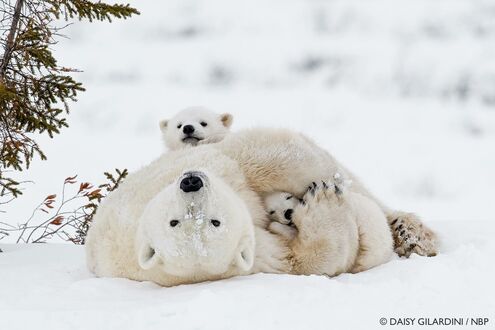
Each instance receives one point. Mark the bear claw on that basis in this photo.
(411, 236)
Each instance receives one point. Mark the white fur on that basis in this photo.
(136, 218)
(281, 160)
(193, 243)
(362, 231)
(217, 126)
(239, 169)
(278, 203)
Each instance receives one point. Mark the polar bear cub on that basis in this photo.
(193, 126)
(366, 231)
(280, 207)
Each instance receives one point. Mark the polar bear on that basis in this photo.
(190, 217)
(193, 126)
(280, 207)
(364, 231)
(290, 162)
(185, 218)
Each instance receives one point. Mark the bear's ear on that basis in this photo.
(245, 253)
(147, 257)
(226, 119)
(163, 124)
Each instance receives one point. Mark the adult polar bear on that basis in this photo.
(139, 231)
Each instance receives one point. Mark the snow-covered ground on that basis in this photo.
(49, 287)
(401, 91)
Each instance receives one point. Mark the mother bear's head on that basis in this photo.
(196, 227)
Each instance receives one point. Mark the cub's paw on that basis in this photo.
(411, 235)
(287, 232)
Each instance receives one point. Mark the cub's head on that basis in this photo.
(196, 227)
(193, 126)
(280, 206)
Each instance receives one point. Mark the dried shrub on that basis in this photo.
(67, 216)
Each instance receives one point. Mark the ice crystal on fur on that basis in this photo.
(198, 244)
(190, 209)
(199, 217)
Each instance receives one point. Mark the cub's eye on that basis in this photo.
(203, 124)
(272, 212)
(174, 223)
(179, 126)
(289, 197)
(215, 223)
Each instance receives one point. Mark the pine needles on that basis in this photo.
(35, 91)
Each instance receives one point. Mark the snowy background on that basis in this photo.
(401, 91)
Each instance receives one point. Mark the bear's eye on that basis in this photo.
(288, 197)
(272, 212)
(174, 223)
(179, 126)
(203, 124)
(215, 223)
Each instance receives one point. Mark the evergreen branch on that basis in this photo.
(10, 39)
(84, 9)
(35, 91)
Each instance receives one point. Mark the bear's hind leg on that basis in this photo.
(375, 238)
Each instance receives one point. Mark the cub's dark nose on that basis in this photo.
(191, 183)
(188, 129)
(288, 214)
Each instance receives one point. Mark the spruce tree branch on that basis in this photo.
(10, 39)
(35, 91)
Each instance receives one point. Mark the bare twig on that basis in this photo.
(69, 224)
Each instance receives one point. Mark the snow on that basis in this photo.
(48, 286)
(400, 91)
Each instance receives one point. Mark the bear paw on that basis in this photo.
(324, 190)
(411, 235)
(320, 198)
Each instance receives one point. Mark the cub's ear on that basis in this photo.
(226, 119)
(163, 124)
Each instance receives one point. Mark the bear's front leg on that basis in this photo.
(327, 239)
(411, 235)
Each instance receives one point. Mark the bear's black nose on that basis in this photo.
(191, 183)
(288, 214)
(188, 129)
